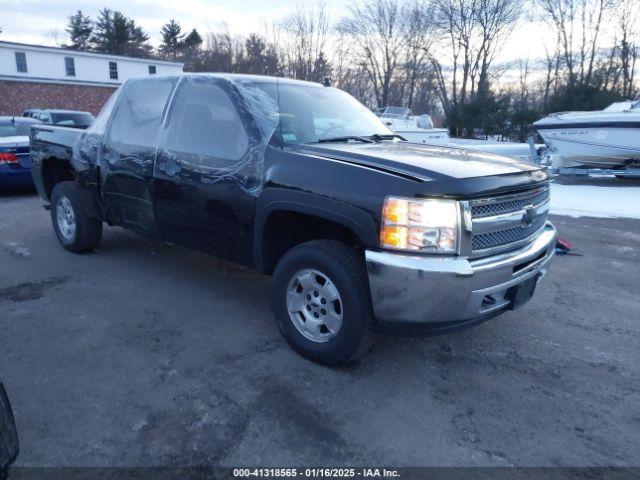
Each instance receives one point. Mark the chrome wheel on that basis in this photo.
(314, 305)
(66, 218)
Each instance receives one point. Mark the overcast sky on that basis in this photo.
(43, 21)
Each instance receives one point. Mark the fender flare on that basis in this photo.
(354, 218)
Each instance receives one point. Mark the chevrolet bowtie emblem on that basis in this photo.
(529, 215)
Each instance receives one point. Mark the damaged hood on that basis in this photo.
(421, 162)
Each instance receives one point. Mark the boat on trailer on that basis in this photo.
(420, 129)
(608, 138)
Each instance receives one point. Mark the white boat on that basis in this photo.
(420, 129)
(605, 138)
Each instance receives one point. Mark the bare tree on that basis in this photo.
(305, 42)
(419, 41)
(377, 31)
(552, 74)
(628, 15)
(391, 42)
(472, 31)
(579, 25)
(223, 51)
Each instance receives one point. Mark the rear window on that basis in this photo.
(72, 119)
(15, 130)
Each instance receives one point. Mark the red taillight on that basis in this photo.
(8, 158)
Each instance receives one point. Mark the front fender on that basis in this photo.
(355, 218)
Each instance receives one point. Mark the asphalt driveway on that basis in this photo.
(147, 354)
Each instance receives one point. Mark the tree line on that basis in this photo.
(434, 56)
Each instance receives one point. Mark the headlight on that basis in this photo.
(420, 225)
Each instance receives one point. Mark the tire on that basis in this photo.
(76, 232)
(297, 286)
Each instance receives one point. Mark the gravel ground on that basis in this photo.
(147, 354)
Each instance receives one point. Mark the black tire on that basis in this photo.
(88, 231)
(345, 267)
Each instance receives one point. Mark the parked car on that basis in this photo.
(64, 118)
(15, 161)
(360, 230)
(9, 446)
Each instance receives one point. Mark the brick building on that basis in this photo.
(33, 76)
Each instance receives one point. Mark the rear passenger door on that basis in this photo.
(129, 150)
(203, 175)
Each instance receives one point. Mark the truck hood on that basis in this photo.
(422, 162)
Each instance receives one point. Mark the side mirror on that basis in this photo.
(9, 446)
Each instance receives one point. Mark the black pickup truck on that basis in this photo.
(361, 230)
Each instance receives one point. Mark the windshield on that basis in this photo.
(310, 113)
(72, 119)
(15, 129)
(395, 112)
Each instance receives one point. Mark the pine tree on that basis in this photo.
(102, 38)
(138, 45)
(193, 40)
(115, 33)
(121, 33)
(79, 29)
(254, 61)
(191, 51)
(172, 40)
(321, 68)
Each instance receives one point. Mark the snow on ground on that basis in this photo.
(590, 201)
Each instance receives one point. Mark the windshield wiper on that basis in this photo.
(378, 137)
(345, 138)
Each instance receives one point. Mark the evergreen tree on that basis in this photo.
(137, 44)
(172, 40)
(321, 68)
(115, 33)
(79, 29)
(254, 60)
(102, 39)
(191, 51)
(193, 40)
(121, 33)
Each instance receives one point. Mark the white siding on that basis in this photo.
(49, 64)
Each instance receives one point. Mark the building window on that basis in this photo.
(152, 69)
(113, 70)
(21, 62)
(70, 66)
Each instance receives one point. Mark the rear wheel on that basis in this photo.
(76, 232)
(322, 302)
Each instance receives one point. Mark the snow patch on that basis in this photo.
(590, 201)
(15, 249)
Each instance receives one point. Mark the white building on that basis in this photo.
(34, 76)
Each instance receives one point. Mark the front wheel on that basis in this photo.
(76, 232)
(322, 302)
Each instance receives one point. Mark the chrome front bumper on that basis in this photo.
(436, 290)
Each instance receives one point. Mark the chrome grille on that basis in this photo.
(488, 209)
(507, 221)
(505, 237)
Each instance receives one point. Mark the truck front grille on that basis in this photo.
(489, 209)
(504, 222)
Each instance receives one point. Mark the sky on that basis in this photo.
(43, 22)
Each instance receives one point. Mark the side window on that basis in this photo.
(205, 122)
(70, 66)
(21, 62)
(139, 111)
